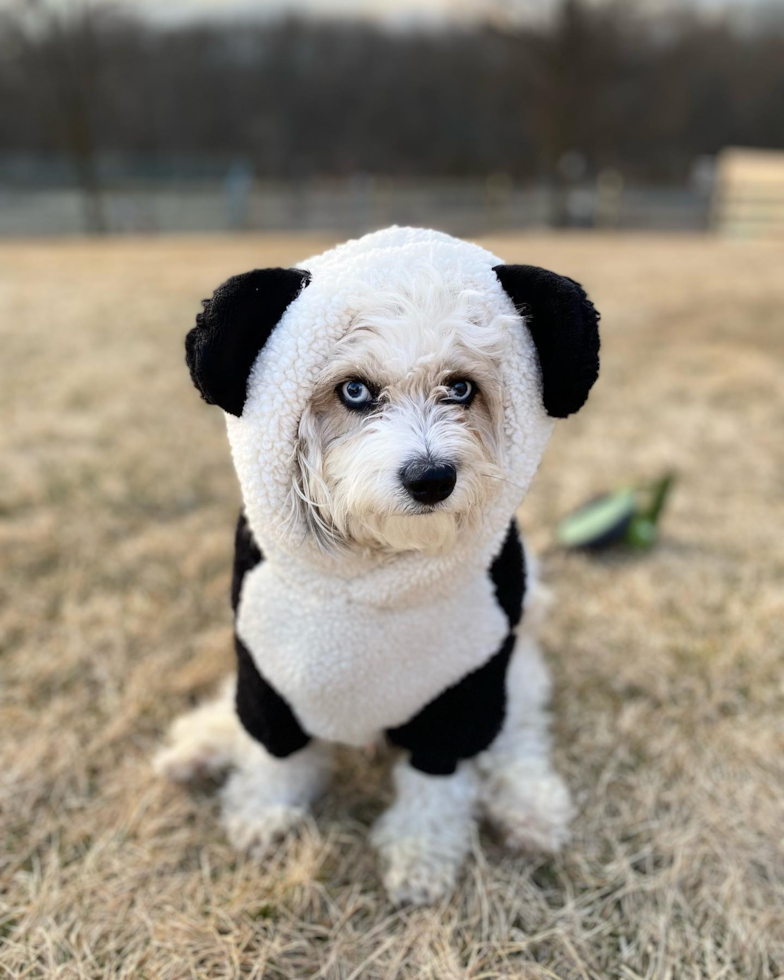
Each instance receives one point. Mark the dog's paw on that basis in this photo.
(191, 760)
(532, 815)
(264, 798)
(419, 866)
(424, 837)
(257, 832)
(203, 742)
(415, 872)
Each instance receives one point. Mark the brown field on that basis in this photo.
(117, 503)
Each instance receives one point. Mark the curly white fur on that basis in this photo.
(423, 838)
(264, 797)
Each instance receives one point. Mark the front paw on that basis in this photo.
(257, 831)
(189, 761)
(424, 837)
(262, 801)
(415, 872)
(531, 814)
(204, 742)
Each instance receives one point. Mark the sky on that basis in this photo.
(174, 10)
(392, 11)
(375, 9)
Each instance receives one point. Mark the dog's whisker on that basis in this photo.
(502, 479)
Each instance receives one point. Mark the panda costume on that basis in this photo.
(417, 649)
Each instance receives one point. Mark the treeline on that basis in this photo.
(296, 98)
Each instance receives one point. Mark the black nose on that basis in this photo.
(428, 483)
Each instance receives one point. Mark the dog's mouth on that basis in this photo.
(428, 510)
(413, 508)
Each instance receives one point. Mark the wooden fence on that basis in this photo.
(748, 198)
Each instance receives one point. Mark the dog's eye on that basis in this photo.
(461, 392)
(355, 394)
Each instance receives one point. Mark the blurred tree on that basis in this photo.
(56, 52)
(641, 87)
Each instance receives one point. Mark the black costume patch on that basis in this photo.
(508, 575)
(247, 555)
(466, 718)
(264, 714)
(461, 722)
(565, 328)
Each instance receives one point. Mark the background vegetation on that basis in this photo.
(626, 84)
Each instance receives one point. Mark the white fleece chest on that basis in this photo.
(349, 670)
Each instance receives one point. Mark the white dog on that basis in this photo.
(387, 404)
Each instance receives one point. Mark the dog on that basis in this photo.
(387, 406)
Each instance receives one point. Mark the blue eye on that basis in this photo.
(461, 391)
(355, 394)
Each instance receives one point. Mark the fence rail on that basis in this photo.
(352, 206)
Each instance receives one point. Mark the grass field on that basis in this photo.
(117, 503)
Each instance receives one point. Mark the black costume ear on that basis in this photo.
(565, 329)
(233, 327)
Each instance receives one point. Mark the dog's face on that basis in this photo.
(400, 446)
(384, 405)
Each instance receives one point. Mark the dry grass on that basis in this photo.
(116, 508)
